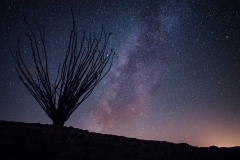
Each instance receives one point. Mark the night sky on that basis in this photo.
(175, 76)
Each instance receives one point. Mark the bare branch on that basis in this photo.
(83, 67)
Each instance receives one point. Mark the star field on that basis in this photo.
(175, 76)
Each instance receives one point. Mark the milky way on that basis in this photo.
(140, 71)
(175, 76)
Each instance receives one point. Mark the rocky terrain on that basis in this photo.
(46, 142)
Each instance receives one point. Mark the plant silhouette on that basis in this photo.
(84, 66)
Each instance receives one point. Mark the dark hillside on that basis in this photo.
(37, 141)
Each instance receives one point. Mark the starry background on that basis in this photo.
(176, 75)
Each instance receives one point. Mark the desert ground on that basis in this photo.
(35, 141)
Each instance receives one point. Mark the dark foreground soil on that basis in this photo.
(24, 141)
